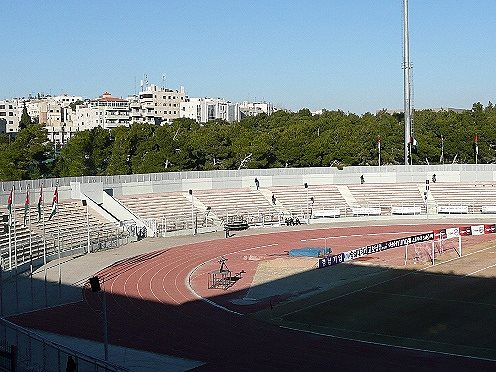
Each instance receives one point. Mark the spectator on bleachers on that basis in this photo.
(273, 199)
(362, 180)
(257, 183)
(434, 178)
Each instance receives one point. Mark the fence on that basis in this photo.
(34, 353)
(24, 254)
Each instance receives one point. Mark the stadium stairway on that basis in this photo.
(430, 201)
(348, 196)
(198, 204)
(279, 207)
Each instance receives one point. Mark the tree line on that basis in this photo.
(283, 139)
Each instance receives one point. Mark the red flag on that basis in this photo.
(9, 201)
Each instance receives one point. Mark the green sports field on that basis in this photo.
(449, 307)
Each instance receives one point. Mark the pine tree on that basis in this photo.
(25, 118)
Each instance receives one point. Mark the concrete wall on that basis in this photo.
(183, 181)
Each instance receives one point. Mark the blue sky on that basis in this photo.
(316, 54)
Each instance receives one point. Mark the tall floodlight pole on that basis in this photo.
(406, 85)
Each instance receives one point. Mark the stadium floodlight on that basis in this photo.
(407, 90)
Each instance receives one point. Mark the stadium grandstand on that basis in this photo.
(99, 212)
(95, 213)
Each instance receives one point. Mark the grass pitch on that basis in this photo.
(449, 307)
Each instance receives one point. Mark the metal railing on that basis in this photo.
(35, 353)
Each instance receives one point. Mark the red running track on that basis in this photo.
(151, 307)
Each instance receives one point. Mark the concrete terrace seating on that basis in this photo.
(295, 198)
(245, 203)
(170, 210)
(27, 246)
(69, 226)
(388, 195)
(472, 195)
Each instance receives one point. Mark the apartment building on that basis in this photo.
(106, 111)
(9, 116)
(255, 108)
(156, 105)
(205, 109)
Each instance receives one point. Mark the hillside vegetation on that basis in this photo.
(284, 139)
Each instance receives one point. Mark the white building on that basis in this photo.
(155, 105)
(106, 111)
(203, 110)
(255, 108)
(9, 117)
(65, 100)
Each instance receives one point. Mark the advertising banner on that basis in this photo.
(374, 248)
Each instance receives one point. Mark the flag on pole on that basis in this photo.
(55, 203)
(476, 144)
(9, 202)
(379, 143)
(26, 207)
(40, 203)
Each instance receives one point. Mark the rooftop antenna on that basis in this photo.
(163, 81)
(407, 90)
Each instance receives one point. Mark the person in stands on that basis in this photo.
(257, 183)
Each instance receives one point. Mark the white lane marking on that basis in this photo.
(389, 345)
(478, 271)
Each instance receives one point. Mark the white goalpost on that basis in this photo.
(447, 243)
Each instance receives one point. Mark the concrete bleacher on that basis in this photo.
(388, 196)
(474, 196)
(170, 211)
(67, 230)
(245, 203)
(296, 199)
(69, 226)
(24, 245)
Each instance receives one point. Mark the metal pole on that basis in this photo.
(44, 230)
(58, 252)
(406, 84)
(433, 252)
(88, 224)
(10, 243)
(308, 214)
(1, 289)
(46, 290)
(192, 212)
(105, 324)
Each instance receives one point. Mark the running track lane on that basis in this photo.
(151, 308)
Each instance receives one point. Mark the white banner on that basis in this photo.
(452, 232)
(477, 229)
